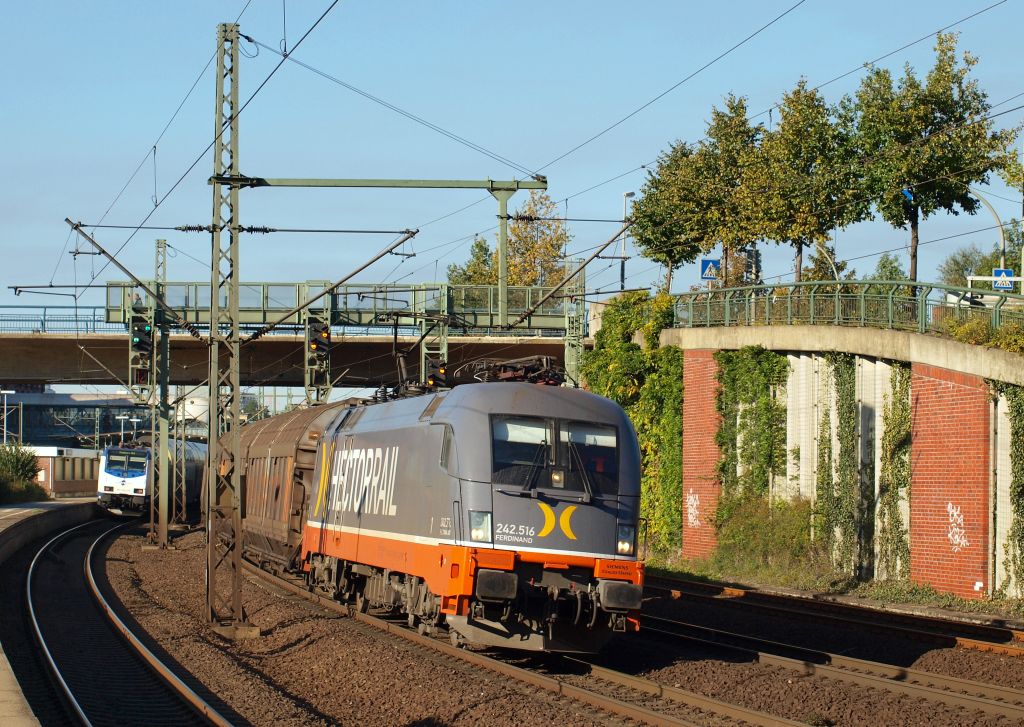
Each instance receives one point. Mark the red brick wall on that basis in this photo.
(701, 487)
(949, 492)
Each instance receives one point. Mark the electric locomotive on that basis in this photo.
(506, 512)
(124, 480)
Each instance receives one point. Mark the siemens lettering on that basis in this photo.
(363, 481)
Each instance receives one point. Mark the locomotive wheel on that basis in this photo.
(424, 628)
(362, 603)
(454, 637)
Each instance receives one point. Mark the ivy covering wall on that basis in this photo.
(894, 477)
(751, 402)
(1014, 550)
(648, 384)
(836, 508)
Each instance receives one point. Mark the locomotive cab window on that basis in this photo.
(554, 455)
(126, 463)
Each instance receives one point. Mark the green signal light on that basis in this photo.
(148, 328)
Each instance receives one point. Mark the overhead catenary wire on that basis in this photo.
(859, 67)
(409, 115)
(218, 135)
(672, 88)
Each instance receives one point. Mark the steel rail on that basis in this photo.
(551, 684)
(37, 631)
(158, 667)
(911, 682)
(814, 608)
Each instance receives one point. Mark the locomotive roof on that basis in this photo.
(472, 401)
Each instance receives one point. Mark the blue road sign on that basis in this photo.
(1003, 279)
(709, 269)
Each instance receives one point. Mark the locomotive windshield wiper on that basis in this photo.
(589, 489)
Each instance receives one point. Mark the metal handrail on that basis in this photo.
(876, 303)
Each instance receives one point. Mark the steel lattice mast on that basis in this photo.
(223, 473)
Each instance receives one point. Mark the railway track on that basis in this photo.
(988, 698)
(620, 694)
(102, 671)
(1000, 640)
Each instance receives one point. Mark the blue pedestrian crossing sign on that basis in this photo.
(1003, 279)
(709, 269)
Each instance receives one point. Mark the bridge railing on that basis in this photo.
(56, 319)
(874, 303)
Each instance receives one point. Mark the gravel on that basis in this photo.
(314, 668)
(310, 667)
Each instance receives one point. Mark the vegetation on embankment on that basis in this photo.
(18, 470)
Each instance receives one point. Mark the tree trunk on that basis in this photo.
(799, 262)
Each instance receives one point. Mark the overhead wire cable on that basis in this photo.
(649, 164)
(869, 64)
(407, 114)
(672, 88)
(220, 133)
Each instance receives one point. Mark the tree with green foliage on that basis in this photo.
(666, 216)
(825, 266)
(647, 383)
(478, 270)
(536, 245)
(537, 239)
(694, 192)
(801, 184)
(888, 267)
(924, 142)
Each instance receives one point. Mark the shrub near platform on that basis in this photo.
(18, 470)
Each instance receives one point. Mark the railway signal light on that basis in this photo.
(318, 339)
(141, 335)
(437, 373)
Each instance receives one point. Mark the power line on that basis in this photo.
(664, 93)
(220, 132)
(868, 64)
(407, 114)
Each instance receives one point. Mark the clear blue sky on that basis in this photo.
(89, 87)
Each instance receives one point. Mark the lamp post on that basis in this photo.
(626, 196)
(5, 392)
(824, 251)
(121, 418)
(1002, 233)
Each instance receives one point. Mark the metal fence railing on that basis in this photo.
(923, 307)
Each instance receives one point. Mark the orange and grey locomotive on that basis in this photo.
(506, 512)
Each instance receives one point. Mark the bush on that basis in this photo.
(18, 463)
(12, 491)
(761, 543)
(1009, 337)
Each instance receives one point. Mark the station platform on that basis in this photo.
(19, 524)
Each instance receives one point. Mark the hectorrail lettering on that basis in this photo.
(363, 481)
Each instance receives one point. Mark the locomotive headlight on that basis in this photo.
(479, 526)
(625, 540)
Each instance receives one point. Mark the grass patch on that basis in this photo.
(15, 491)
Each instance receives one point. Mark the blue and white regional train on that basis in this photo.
(124, 480)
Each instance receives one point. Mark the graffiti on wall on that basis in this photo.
(956, 532)
(692, 509)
